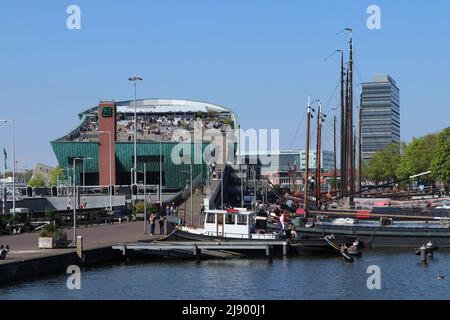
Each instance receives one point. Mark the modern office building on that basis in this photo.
(105, 137)
(380, 115)
(277, 165)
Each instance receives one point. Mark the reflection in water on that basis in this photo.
(304, 277)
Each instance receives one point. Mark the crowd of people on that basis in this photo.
(166, 127)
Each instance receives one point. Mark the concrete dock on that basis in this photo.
(26, 259)
(204, 249)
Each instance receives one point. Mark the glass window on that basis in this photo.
(230, 219)
(242, 219)
(210, 218)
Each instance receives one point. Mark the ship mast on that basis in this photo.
(343, 130)
(350, 123)
(306, 184)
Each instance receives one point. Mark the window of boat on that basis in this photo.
(210, 218)
(241, 219)
(230, 219)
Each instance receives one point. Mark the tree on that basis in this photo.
(440, 165)
(417, 156)
(383, 164)
(37, 181)
(56, 176)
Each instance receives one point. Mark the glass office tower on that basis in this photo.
(380, 117)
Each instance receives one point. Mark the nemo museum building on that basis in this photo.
(101, 147)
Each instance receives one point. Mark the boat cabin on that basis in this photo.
(233, 223)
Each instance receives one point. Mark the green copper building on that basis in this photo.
(167, 140)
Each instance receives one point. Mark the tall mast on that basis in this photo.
(318, 153)
(350, 116)
(334, 159)
(345, 142)
(359, 143)
(343, 130)
(306, 186)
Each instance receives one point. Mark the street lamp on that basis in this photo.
(74, 198)
(135, 79)
(110, 168)
(14, 163)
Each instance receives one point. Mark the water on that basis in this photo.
(305, 277)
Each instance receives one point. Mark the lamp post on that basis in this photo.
(14, 163)
(135, 79)
(160, 171)
(110, 168)
(74, 198)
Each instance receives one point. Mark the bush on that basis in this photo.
(139, 207)
(51, 231)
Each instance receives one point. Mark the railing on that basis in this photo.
(241, 235)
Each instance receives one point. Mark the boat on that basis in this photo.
(385, 232)
(239, 224)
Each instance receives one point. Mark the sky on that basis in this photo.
(259, 58)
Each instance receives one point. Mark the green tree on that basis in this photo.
(417, 156)
(56, 176)
(440, 165)
(383, 164)
(37, 181)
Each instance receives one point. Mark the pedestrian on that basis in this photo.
(151, 221)
(167, 211)
(172, 209)
(161, 224)
(202, 209)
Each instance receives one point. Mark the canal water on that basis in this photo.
(402, 276)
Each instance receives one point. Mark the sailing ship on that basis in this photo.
(411, 232)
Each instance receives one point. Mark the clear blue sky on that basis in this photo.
(259, 58)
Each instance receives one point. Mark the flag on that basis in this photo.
(5, 157)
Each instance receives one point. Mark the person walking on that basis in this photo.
(161, 224)
(151, 221)
(167, 211)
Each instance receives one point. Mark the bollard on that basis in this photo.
(80, 246)
(285, 249)
(423, 254)
(197, 252)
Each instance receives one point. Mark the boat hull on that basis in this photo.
(307, 242)
(384, 237)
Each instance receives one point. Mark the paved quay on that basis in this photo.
(25, 245)
(25, 258)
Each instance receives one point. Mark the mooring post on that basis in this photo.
(197, 252)
(79, 246)
(423, 254)
(285, 249)
(269, 251)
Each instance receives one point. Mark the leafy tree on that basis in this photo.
(56, 176)
(37, 181)
(417, 156)
(383, 164)
(440, 165)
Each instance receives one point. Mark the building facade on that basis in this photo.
(380, 115)
(278, 166)
(165, 130)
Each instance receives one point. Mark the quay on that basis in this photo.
(204, 249)
(26, 260)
